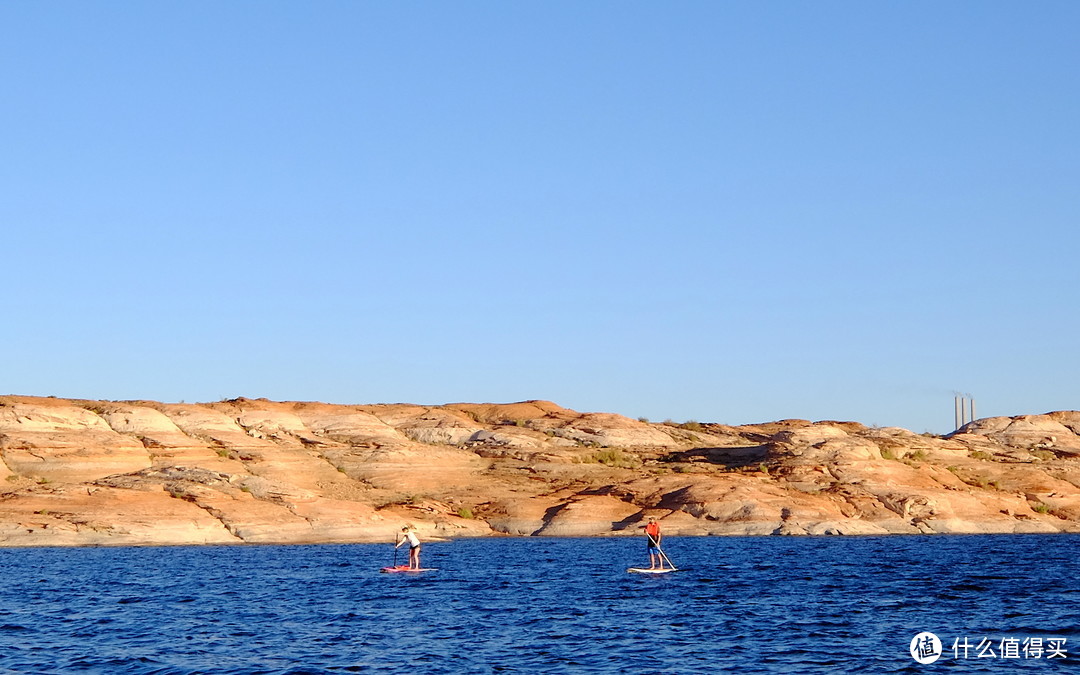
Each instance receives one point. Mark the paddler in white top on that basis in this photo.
(408, 534)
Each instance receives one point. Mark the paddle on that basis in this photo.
(663, 556)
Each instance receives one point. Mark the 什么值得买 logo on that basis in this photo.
(925, 648)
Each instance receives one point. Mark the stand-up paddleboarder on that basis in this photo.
(652, 531)
(408, 534)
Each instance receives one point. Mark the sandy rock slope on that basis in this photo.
(78, 472)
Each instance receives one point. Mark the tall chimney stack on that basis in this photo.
(963, 409)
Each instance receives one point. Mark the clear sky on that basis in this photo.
(721, 211)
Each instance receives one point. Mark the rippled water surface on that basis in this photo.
(540, 605)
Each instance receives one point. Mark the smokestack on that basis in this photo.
(963, 409)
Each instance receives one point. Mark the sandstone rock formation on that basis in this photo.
(141, 472)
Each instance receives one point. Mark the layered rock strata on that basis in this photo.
(77, 472)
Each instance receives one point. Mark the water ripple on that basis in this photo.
(749, 604)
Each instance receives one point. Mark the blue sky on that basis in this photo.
(721, 211)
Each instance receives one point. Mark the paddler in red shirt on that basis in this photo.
(652, 531)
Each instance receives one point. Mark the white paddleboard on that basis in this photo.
(647, 570)
(405, 568)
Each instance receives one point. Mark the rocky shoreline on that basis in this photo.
(99, 473)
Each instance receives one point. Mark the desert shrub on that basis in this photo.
(465, 512)
(616, 458)
(176, 493)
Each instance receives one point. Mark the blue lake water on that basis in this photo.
(767, 604)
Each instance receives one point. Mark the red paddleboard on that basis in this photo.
(406, 568)
(649, 570)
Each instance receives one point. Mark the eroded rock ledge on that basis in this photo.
(79, 473)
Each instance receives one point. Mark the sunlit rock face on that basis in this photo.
(97, 473)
